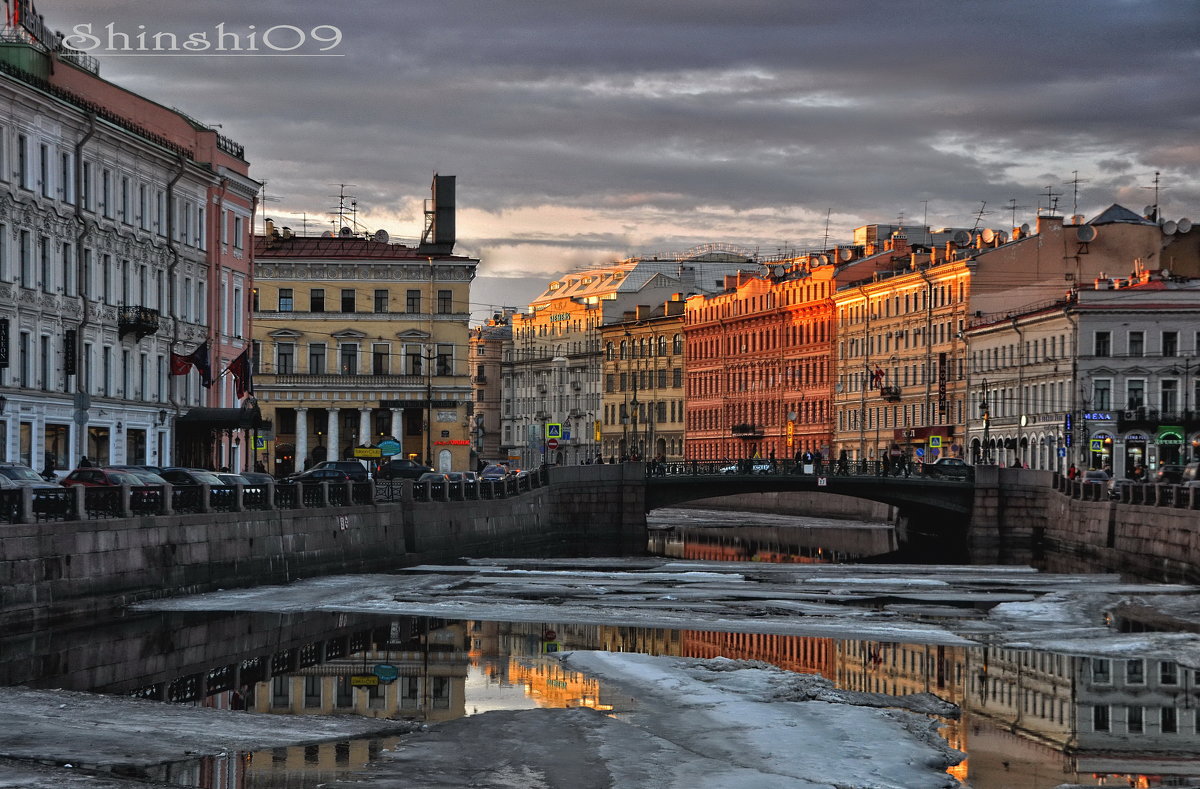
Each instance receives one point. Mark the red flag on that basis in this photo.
(242, 379)
(180, 365)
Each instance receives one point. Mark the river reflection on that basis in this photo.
(1030, 718)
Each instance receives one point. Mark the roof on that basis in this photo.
(1119, 214)
(342, 248)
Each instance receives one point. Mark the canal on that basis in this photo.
(1107, 699)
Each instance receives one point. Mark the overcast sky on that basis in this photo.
(584, 131)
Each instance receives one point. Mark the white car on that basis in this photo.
(758, 467)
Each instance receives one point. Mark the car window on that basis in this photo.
(122, 478)
(20, 472)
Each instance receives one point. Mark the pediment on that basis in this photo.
(285, 334)
(348, 334)
(413, 335)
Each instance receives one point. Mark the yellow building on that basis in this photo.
(358, 341)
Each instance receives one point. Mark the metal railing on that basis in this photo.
(823, 468)
(1145, 494)
(94, 503)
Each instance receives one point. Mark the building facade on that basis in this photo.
(361, 342)
(111, 255)
(487, 345)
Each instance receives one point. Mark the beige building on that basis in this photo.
(359, 341)
(487, 344)
(642, 369)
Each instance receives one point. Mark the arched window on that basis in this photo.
(624, 350)
(662, 345)
(608, 352)
(678, 344)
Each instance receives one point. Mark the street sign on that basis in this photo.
(367, 452)
(1097, 444)
(389, 447)
(1062, 452)
(260, 442)
(386, 672)
(552, 443)
(553, 430)
(822, 482)
(791, 428)
(935, 442)
(364, 680)
(920, 452)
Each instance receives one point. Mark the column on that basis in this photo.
(364, 426)
(301, 438)
(397, 423)
(334, 439)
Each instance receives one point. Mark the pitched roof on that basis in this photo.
(1119, 214)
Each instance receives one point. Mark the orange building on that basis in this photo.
(758, 362)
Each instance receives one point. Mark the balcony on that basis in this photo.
(344, 381)
(139, 321)
(890, 393)
(746, 431)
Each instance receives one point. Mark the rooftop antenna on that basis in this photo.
(980, 214)
(1074, 183)
(825, 242)
(265, 200)
(339, 213)
(1013, 208)
(1156, 188)
(1052, 200)
(926, 219)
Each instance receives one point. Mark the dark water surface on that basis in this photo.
(1030, 719)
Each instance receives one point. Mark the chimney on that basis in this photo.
(1047, 224)
(439, 235)
(673, 307)
(899, 244)
(644, 311)
(628, 316)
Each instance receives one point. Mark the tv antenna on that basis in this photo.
(825, 241)
(1157, 186)
(340, 213)
(265, 199)
(1013, 208)
(980, 214)
(1074, 184)
(926, 219)
(1052, 200)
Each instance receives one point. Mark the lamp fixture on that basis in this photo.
(162, 417)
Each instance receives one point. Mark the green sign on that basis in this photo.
(386, 672)
(553, 430)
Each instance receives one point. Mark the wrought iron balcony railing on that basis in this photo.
(140, 321)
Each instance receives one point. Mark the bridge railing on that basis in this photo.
(816, 468)
(1124, 491)
(26, 505)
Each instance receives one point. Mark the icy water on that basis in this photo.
(1107, 699)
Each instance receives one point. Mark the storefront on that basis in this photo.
(1170, 444)
(1100, 450)
(1136, 445)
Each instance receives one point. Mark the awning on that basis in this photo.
(224, 418)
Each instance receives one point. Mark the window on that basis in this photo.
(124, 206)
(1102, 394)
(106, 193)
(1169, 396)
(26, 262)
(1100, 671)
(445, 360)
(677, 378)
(87, 185)
(1137, 343)
(1100, 718)
(316, 358)
(44, 169)
(1134, 723)
(412, 359)
(238, 310)
(1135, 672)
(23, 161)
(413, 301)
(381, 300)
(285, 358)
(1168, 673)
(347, 299)
(349, 354)
(285, 299)
(238, 243)
(316, 300)
(1170, 343)
(255, 355)
(1135, 392)
(1170, 720)
(445, 302)
(380, 352)
(1103, 345)
(67, 177)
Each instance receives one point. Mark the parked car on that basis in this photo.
(101, 478)
(257, 477)
(1190, 474)
(1170, 474)
(494, 472)
(232, 479)
(152, 469)
(757, 467)
(178, 475)
(434, 476)
(1115, 486)
(401, 468)
(25, 477)
(144, 477)
(352, 468)
(315, 476)
(947, 468)
(1095, 475)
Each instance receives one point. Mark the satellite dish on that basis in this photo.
(1148, 212)
(1025, 229)
(327, 234)
(381, 236)
(780, 271)
(1185, 225)
(1001, 236)
(961, 238)
(1169, 227)
(845, 254)
(1078, 219)
(344, 232)
(824, 260)
(1086, 233)
(989, 235)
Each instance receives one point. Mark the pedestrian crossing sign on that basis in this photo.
(553, 430)
(935, 442)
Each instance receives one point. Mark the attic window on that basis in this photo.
(555, 285)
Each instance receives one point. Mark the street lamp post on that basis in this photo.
(986, 415)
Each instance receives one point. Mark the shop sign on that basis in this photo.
(454, 442)
(389, 447)
(560, 316)
(1170, 435)
(368, 452)
(1135, 437)
(364, 680)
(1097, 416)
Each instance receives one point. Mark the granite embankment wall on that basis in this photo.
(1019, 512)
(55, 571)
